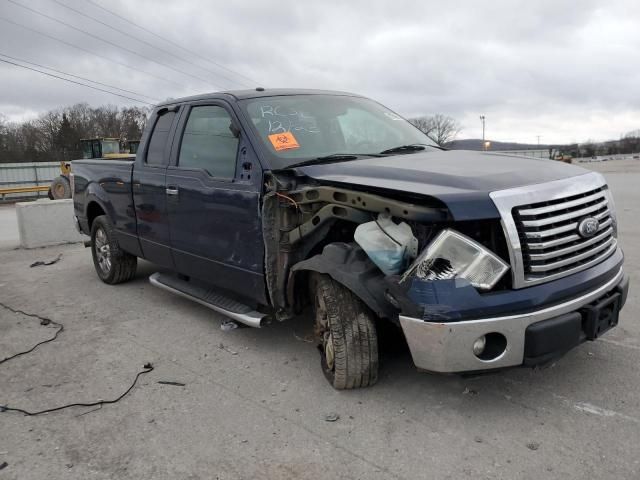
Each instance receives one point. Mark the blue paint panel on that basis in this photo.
(215, 223)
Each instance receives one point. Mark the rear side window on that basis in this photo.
(208, 143)
(159, 137)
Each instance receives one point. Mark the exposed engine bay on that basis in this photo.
(375, 243)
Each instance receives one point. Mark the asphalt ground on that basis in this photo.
(255, 404)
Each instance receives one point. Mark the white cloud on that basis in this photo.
(561, 69)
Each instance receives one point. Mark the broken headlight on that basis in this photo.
(454, 255)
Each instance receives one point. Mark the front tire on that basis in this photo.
(346, 335)
(60, 188)
(113, 265)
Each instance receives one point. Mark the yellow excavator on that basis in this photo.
(107, 148)
(560, 156)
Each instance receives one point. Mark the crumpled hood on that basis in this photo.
(461, 179)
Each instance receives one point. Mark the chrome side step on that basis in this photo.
(209, 298)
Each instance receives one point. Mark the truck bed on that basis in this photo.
(96, 176)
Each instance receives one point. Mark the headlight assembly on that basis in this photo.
(454, 255)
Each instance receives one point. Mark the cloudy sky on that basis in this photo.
(565, 70)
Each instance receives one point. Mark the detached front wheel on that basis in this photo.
(113, 265)
(346, 335)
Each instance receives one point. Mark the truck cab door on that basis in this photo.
(148, 186)
(213, 190)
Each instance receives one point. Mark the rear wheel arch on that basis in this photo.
(94, 210)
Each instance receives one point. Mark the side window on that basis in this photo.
(87, 151)
(208, 143)
(158, 140)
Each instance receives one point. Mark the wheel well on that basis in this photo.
(337, 231)
(348, 265)
(93, 210)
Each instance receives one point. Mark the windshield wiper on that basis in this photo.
(416, 147)
(334, 157)
(339, 156)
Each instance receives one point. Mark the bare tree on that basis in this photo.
(424, 124)
(55, 135)
(48, 125)
(440, 128)
(588, 148)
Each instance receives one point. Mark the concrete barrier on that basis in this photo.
(46, 222)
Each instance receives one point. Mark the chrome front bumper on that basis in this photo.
(448, 347)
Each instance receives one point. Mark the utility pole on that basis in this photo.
(538, 139)
(484, 145)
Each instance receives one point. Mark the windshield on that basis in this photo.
(110, 146)
(297, 128)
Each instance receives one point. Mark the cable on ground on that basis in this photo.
(148, 367)
(43, 321)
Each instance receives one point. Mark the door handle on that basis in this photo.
(171, 191)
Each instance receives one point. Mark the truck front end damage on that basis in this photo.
(523, 287)
(567, 284)
(309, 226)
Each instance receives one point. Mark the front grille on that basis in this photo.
(549, 238)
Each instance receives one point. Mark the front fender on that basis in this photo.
(349, 265)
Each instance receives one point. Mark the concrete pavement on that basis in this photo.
(9, 235)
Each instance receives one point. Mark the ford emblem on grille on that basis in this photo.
(588, 227)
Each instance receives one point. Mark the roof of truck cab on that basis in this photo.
(253, 93)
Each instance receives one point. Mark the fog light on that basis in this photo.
(490, 346)
(478, 346)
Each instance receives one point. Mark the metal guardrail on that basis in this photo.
(16, 190)
(26, 180)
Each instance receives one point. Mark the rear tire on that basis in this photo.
(346, 335)
(112, 264)
(60, 188)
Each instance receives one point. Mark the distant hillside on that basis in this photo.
(629, 143)
(476, 144)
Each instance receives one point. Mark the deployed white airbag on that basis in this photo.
(389, 245)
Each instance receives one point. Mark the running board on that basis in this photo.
(209, 298)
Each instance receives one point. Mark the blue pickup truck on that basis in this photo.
(262, 204)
